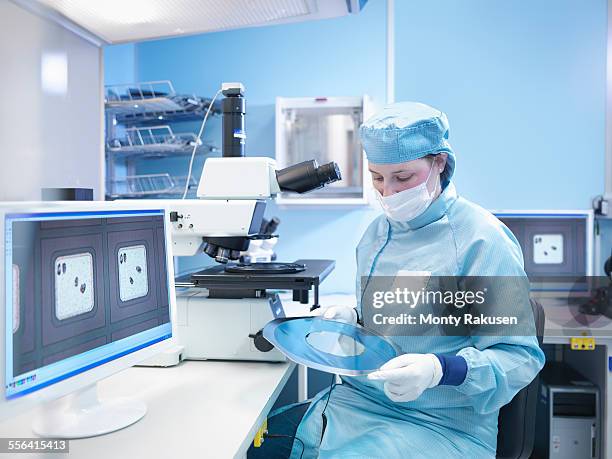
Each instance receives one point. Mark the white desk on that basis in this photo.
(195, 410)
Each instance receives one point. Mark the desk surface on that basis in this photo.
(196, 410)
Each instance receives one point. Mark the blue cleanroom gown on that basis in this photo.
(453, 237)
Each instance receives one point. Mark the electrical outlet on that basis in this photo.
(548, 249)
(133, 277)
(16, 296)
(74, 285)
(582, 344)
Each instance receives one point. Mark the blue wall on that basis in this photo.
(523, 84)
(119, 64)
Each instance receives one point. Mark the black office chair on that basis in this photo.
(516, 421)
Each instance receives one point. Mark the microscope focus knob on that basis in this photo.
(261, 343)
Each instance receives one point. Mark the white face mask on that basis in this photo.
(408, 204)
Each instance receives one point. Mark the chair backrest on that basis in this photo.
(516, 421)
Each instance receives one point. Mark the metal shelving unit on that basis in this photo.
(152, 102)
(137, 127)
(156, 142)
(149, 185)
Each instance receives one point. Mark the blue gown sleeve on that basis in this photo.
(499, 366)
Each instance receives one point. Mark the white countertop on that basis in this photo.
(195, 410)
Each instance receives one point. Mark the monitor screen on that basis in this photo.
(82, 289)
(556, 248)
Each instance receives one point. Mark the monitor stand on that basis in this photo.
(81, 414)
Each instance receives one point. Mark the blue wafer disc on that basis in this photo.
(329, 345)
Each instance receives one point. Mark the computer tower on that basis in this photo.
(568, 420)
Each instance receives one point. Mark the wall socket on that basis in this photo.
(548, 249)
(133, 276)
(74, 285)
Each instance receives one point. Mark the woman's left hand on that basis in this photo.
(407, 376)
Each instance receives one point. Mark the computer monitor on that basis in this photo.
(557, 248)
(88, 290)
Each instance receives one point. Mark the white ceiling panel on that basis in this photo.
(117, 21)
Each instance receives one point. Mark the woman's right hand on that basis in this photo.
(338, 312)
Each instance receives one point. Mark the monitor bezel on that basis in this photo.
(13, 406)
(539, 291)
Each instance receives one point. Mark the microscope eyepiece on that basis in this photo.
(307, 176)
(328, 173)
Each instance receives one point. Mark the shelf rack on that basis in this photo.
(152, 102)
(149, 186)
(156, 142)
(138, 118)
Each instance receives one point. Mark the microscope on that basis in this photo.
(222, 310)
(233, 190)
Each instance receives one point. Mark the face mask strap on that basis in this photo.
(433, 164)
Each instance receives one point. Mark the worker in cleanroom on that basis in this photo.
(441, 396)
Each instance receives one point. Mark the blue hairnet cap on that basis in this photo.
(405, 131)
